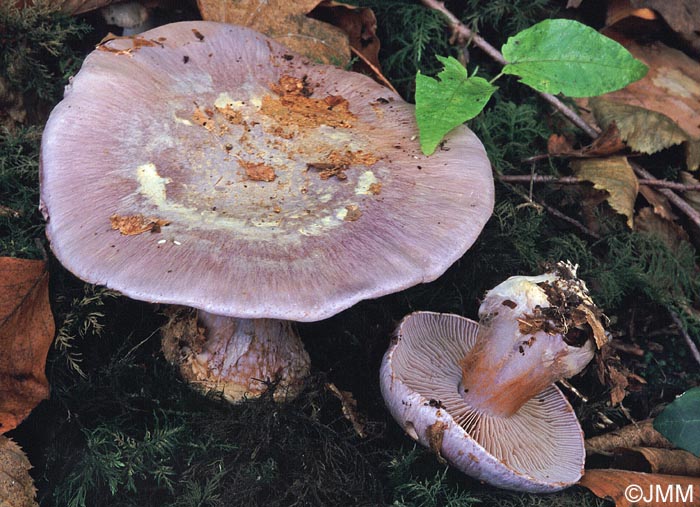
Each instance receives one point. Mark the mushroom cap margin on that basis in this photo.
(409, 240)
(416, 414)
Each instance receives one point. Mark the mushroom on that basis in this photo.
(482, 395)
(204, 165)
(131, 17)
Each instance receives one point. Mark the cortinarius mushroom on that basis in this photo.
(205, 165)
(482, 395)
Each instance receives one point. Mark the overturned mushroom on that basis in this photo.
(203, 164)
(482, 395)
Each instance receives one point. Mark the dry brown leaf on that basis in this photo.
(629, 489)
(633, 435)
(621, 9)
(26, 332)
(658, 201)
(349, 407)
(616, 177)
(692, 196)
(657, 461)
(667, 231)
(287, 22)
(607, 143)
(16, 485)
(660, 110)
(359, 23)
(683, 16)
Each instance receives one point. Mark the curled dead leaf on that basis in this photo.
(607, 143)
(640, 434)
(614, 175)
(660, 110)
(26, 332)
(629, 489)
(657, 461)
(683, 16)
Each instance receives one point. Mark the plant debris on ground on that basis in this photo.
(121, 428)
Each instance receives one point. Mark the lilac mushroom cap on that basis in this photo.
(202, 164)
(482, 395)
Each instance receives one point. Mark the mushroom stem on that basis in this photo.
(240, 358)
(534, 331)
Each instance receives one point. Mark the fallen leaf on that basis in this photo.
(639, 489)
(349, 407)
(657, 461)
(26, 332)
(672, 234)
(680, 421)
(660, 110)
(658, 201)
(607, 143)
(640, 434)
(16, 485)
(683, 16)
(621, 9)
(616, 177)
(692, 196)
(359, 23)
(287, 22)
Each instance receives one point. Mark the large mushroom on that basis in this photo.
(203, 164)
(482, 395)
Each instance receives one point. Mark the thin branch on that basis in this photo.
(677, 200)
(555, 212)
(691, 344)
(572, 180)
(464, 34)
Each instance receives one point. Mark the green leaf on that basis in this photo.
(443, 105)
(565, 56)
(680, 421)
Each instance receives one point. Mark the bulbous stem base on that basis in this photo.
(240, 358)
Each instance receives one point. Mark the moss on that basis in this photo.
(20, 221)
(36, 57)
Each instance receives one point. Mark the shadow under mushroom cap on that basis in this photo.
(290, 190)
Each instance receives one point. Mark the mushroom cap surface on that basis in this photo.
(539, 449)
(205, 165)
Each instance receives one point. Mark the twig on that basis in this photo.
(677, 200)
(465, 34)
(691, 344)
(572, 180)
(556, 213)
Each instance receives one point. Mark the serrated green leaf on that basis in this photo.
(444, 103)
(565, 56)
(680, 421)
